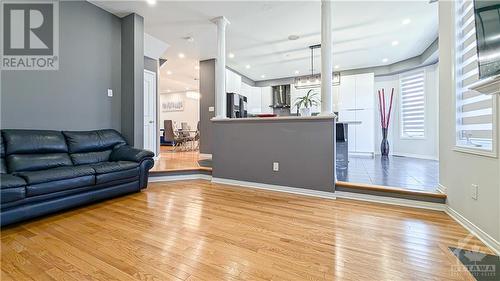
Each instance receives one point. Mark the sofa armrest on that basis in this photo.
(128, 153)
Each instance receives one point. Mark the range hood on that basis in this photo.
(281, 96)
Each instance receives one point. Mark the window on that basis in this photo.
(474, 111)
(412, 104)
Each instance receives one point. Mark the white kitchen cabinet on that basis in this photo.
(347, 93)
(254, 100)
(356, 103)
(267, 100)
(233, 82)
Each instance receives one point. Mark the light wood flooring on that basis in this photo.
(198, 230)
(178, 161)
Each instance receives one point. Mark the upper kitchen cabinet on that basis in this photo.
(233, 82)
(347, 94)
(365, 89)
(267, 100)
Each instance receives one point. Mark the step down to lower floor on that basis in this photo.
(388, 191)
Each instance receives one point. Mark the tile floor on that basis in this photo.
(405, 172)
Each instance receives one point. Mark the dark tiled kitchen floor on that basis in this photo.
(405, 172)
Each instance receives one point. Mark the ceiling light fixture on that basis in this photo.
(231, 55)
(247, 66)
(151, 2)
(406, 21)
(313, 81)
(395, 43)
(336, 67)
(263, 76)
(169, 72)
(168, 91)
(385, 60)
(297, 72)
(181, 55)
(197, 67)
(187, 88)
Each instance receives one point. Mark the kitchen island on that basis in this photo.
(294, 154)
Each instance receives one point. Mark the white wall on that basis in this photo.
(458, 170)
(421, 148)
(190, 114)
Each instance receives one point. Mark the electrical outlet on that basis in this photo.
(110, 92)
(474, 191)
(211, 109)
(276, 166)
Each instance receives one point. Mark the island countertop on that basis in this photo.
(277, 118)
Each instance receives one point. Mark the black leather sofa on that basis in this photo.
(48, 171)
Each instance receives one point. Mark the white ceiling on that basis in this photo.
(258, 34)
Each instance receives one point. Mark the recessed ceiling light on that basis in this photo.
(190, 39)
(263, 76)
(336, 66)
(231, 55)
(406, 21)
(151, 2)
(169, 72)
(395, 43)
(247, 66)
(297, 72)
(187, 88)
(293, 37)
(181, 55)
(168, 91)
(196, 67)
(385, 60)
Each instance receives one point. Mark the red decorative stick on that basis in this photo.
(390, 109)
(383, 106)
(380, 109)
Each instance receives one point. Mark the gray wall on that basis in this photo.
(75, 96)
(245, 150)
(132, 35)
(207, 99)
(458, 170)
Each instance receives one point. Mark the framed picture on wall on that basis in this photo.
(170, 106)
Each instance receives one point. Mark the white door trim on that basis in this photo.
(153, 98)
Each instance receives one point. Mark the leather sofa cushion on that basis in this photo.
(91, 141)
(59, 185)
(11, 181)
(60, 173)
(34, 162)
(3, 166)
(33, 141)
(110, 167)
(12, 194)
(90, 157)
(13, 188)
(115, 171)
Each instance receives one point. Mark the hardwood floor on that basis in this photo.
(197, 230)
(170, 161)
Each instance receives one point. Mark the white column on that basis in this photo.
(326, 58)
(220, 68)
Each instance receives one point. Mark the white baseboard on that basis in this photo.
(441, 188)
(179, 177)
(489, 241)
(279, 188)
(391, 201)
(419, 156)
(361, 154)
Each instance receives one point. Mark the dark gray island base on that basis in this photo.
(247, 149)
